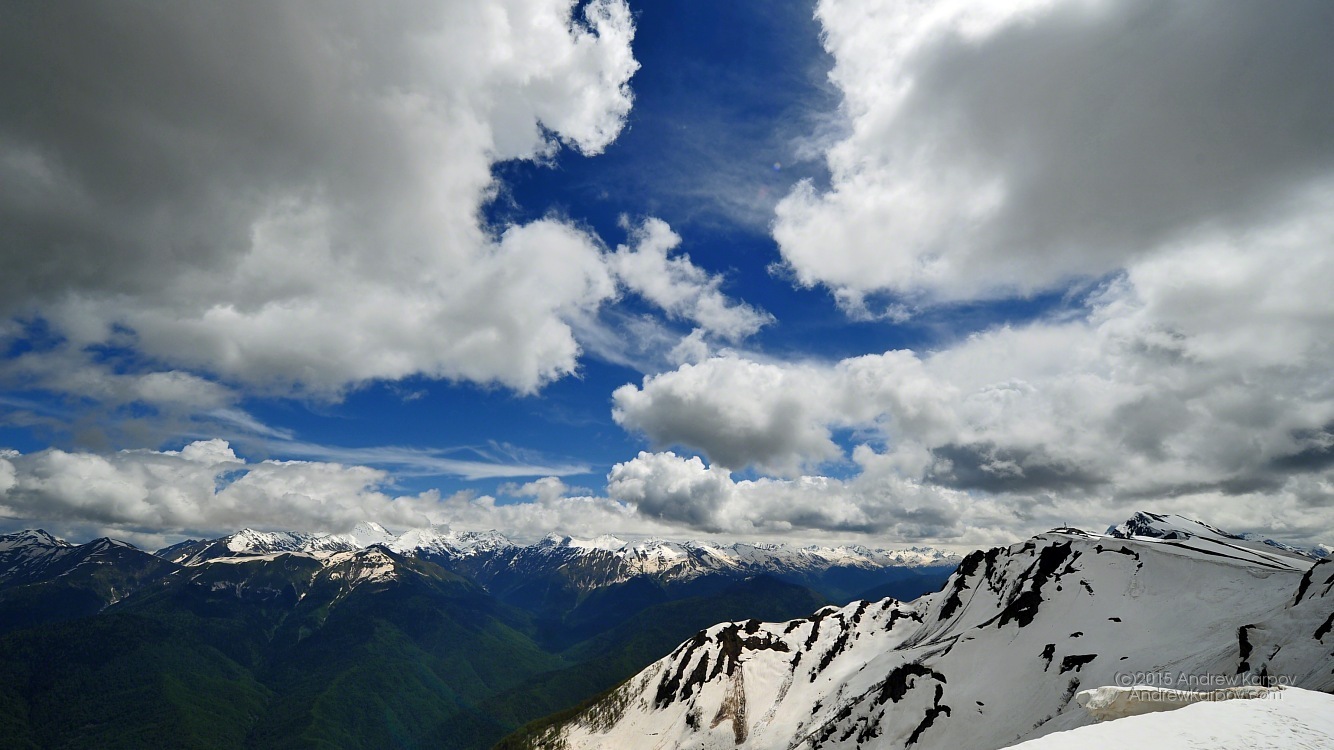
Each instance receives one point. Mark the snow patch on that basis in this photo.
(1294, 719)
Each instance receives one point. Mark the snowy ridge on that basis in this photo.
(591, 563)
(25, 552)
(31, 541)
(993, 659)
(670, 560)
(1297, 641)
(250, 541)
(363, 535)
(1171, 526)
(28, 553)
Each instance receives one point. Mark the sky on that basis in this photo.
(868, 271)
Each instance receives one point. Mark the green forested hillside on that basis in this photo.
(285, 653)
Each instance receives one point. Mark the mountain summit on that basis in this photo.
(1172, 526)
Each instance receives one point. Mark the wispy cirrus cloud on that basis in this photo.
(492, 461)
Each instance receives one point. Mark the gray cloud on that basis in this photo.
(1197, 381)
(1004, 470)
(288, 196)
(1014, 147)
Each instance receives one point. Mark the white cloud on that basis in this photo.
(999, 148)
(1182, 153)
(8, 474)
(546, 489)
(661, 485)
(877, 504)
(1196, 382)
(288, 197)
(682, 289)
(205, 490)
(780, 416)
(582, 516)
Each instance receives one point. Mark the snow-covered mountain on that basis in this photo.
(669, 560)
(646, 556)
(996, 657)
(585, 564)
(34, 554)
(1172, 526)
(434, 621)
(28, 551)
(46, 579)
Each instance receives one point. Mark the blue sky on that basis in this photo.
(851, 270)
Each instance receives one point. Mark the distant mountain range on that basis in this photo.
(441, 639)
(602, 561)
(434, 638)
(999, 655)
(578, 587)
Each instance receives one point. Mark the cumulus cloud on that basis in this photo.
(288, 197)
(877, 503)
(1181, 156)
(780, 416)
(1002, 148)
(682, 289)
(206, 490)
(1197, 380)
(202, 488)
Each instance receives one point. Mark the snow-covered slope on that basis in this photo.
(1292, 718)
(1171, 526)
(30, 541)
(247, 542)
(1297, 641)
(362, 535)
(993, 659)
(34, 555)
(26, 552)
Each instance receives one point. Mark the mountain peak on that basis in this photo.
(249, 540)
(107, 542)
(1166, 526)
(30, 538)
(367, 533)
(1172, 526)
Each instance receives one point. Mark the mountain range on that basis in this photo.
(438, 638)
(429, 637)
(998, 656)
